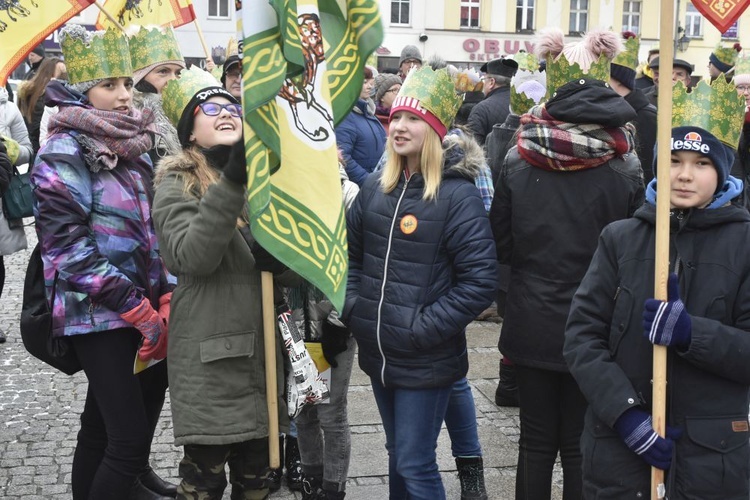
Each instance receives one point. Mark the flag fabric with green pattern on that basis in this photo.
(302, 73)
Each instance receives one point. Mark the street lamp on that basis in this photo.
(682, 42)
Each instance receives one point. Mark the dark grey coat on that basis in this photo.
(493, 109)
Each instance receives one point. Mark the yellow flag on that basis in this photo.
(145, 13)
(30, 23)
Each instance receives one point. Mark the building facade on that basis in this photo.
(471, 32)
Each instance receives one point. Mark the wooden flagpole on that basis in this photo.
(661, 264)
(202, 39)
(269, 342)
(109, 16)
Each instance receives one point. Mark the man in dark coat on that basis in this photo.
(622, 81)
(35, 60)
(496, 104)
(681, 72)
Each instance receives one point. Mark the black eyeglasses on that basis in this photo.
(214, 109)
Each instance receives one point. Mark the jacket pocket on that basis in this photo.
(232, 345)
(712, 457)
(620, 318)
(717, 309)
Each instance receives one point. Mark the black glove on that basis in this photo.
(264, 261)
(236, 168)
(333, 341)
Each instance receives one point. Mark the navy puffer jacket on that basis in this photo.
(420, 271)
(361, 138)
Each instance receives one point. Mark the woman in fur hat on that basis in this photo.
(572, 172)
(106, 283)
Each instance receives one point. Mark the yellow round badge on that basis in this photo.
(408, 224)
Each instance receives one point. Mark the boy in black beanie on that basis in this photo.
(704, 323)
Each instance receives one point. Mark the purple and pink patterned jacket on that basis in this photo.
(98, 243)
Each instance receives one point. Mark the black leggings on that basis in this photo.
(551, 410)
(119, 417)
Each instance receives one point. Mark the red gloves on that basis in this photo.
(152, 325)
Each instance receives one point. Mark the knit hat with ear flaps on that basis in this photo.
(383, 82)
(410, 52)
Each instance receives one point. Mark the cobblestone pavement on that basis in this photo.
(40, 408)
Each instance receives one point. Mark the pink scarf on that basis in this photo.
(107, 136)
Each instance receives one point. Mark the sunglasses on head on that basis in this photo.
(214, 109)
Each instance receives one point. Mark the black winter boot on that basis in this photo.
(153, 482)
(507, 389)
(312, 488)
(293, 464)
(471, 475)
(274, 476)
(333, 495)
(139, 492)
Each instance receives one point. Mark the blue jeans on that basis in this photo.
(412, 420)
(461, 421)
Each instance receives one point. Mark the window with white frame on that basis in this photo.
(578, 16)
(693, 22)
(218, 9)
(524, 15)
(631, 16)
(400, 11)
(470, 13)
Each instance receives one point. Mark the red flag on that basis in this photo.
(721, 13)
(32, 21)
(144, 13)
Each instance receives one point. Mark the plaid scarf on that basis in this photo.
(554, 145)
(107, 136)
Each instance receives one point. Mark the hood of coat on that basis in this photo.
(696, 219)
(364, 107)
(166, 135)
(462, 155)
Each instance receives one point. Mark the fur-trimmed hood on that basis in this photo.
(192, 167)
(463, 156)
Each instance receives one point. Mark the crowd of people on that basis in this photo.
(539, 196)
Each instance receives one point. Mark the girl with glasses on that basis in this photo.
(216, 354)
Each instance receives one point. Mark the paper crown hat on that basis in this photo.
(743, 66)
(430, 94)
(629, 56)
(724, 58)
(523, 93)
(713, 107)
(588, 58)
(178, 93)
(153, 45)
(95, 55)
(527, 61)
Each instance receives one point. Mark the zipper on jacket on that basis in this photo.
(91, 312)
(385, 274)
